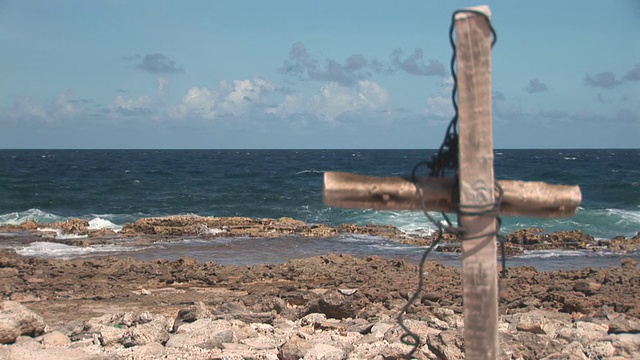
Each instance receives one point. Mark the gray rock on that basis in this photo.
(325, 352)
(538, 322)
(191, 314)
(148, 351)
(587, 332)
(565, 356)
(366, 339)
(23, 339)
(333, 305)
(69, 328)
(108, 335)
(283, 330)
(154, 331)
(264, 329)
(235, 310)
(238, 311)
(217, 340)
(347, 292)
(105, 319)
(447, 344)
(620, 323)
(233, 351)
(527, 345)
(600, 350)
(436, 323)
(572, 351)
(16, 320)
(452, 319)
(312, 319)
(575, 350)
(360, 325)
(55, 338)
(128, 329)
(295, 348)
(36, 351)
(229, 346)
(156, 351)
(204, 333)
(381, 350)
(260, 343)
(420, 328)
(242, 330)
(626, 344)
(587, 287)
(379, 329)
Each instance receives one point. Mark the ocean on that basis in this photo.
(113, 187)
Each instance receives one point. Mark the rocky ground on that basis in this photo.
(327, 307)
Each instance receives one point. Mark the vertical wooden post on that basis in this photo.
(479, 270)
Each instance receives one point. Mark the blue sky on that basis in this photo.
(302, 74)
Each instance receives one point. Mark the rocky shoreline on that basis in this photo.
(172, 228)
(324, 307)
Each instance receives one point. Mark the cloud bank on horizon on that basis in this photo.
(203, 75)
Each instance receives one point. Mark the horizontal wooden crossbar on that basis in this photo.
(520, 198)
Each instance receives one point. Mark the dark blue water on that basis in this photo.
(119, 186)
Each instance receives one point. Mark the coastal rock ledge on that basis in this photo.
(171, 228)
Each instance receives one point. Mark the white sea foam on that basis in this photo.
(204, 230)
(100, 223)
(60, 235)
(610, 222)
(600, 223)
(625, 217)
(359, 238)
(397, 247)
(414, 223)
(549, 254)
(17, 218)
(70, 236)
(55, 250)
(310, 171)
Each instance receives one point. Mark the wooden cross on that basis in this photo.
(476, 188)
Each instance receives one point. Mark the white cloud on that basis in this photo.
(439, 105)
(66, 106)
(162, 84)
(130, 107)
(372, 95)
(335, 100)
(198, 102)
(63, 107)
(23, 108)
(244, 94)
(292, 104)
(239, 97)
